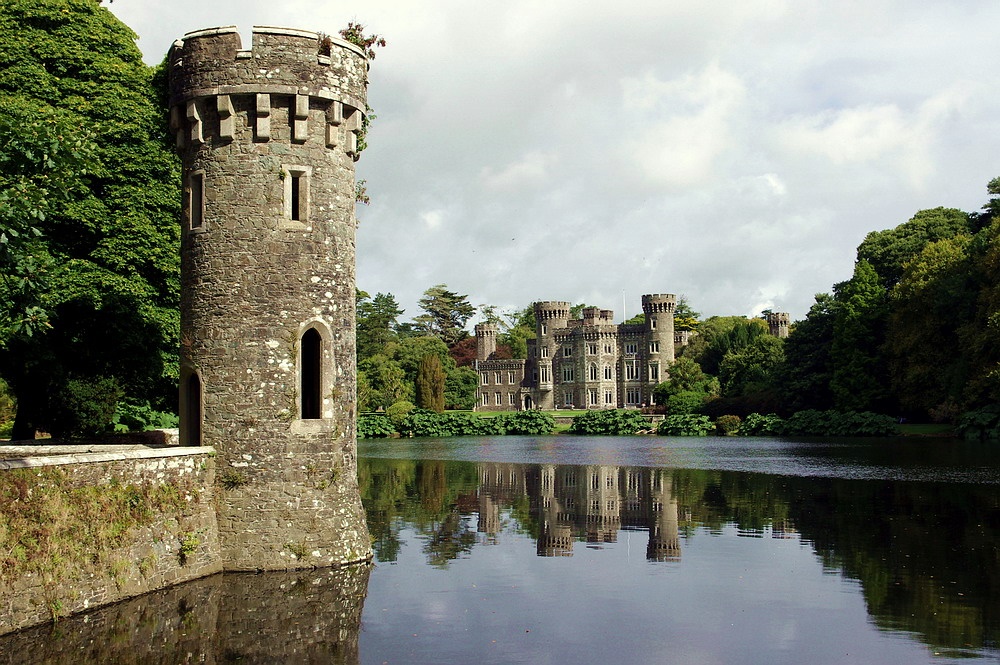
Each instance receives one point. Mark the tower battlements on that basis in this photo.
(289, 80)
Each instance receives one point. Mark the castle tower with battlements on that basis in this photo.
(268, 137)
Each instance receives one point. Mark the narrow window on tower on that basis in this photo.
(296, 193)
(310, 373)
(196, 201)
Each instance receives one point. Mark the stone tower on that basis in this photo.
(486, 340)
(659, 311)
(268, 139)
(550, 315)
(778, 322)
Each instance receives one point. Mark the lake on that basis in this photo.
(611, 549)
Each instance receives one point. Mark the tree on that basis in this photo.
(430, 384)
(859, 379)
(685, 318)
(685, 376)
(887, 251)
(805, 377)
(446, 314)
(376, 322)
(931, 302)
(381, 383)
(106, 256)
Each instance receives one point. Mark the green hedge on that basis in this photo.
(615, 422)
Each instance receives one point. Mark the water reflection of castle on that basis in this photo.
(589, 503)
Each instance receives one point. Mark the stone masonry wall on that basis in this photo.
(173, 545)
(268, 138)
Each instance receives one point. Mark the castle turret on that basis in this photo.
(486, 340)
(778, 323)
(550, 315)
(268, 139)
(659, 333)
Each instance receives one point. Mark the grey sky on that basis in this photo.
(734, 152)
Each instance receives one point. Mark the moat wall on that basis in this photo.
(86, 529)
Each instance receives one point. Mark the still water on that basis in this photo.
(611, 549)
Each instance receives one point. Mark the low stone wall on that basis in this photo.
(83, 529)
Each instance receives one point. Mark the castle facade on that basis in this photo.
(591, 362)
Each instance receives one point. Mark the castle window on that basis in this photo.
(632, 397)
(632, 348)
(652, 323)
(593, 372)
(592, 349)
(608, 349)
(499, 377)
(568, 398)
(593, 398)
(499, 399)
(191, 415)
(607, 372)
(544, 329)
(654, 347)
(310, 373)
(654, 371)
(545, 375)
(296, 192)
(484, 379)
(486, 399)
(512, 399)
(609, 397)
(631, 373)
(567, 351)
(567, 374)
(544, 352)
(511, 379)
(196, 201)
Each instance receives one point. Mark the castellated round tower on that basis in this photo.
(659, 310)
(550, 315)
(486, 340)
(268, 139)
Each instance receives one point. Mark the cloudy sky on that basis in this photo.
(733, 152)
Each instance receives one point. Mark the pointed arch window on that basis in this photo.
(191, 412)
(310, 374)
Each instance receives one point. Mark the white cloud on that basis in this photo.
(736, 153)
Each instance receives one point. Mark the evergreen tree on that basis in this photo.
(430, 384)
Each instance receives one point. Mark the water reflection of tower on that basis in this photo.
(498, 484)
(555, 533)
(664, 536)
(601, 502)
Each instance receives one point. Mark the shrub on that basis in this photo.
(727, 425)
(609, 422)
(84, 407)
(836, 423)
(529, 423)
(980, 424)
(756, 424)
(375, 426)
(398, 412)
(686, 401)
(142, 417)
(685, 424)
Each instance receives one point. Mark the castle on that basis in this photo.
(268, 137)
(588, 363)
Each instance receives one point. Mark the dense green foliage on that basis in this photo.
(375, 426)
(837, 423)
(757, 424)
(614, 422)
(90, 194)
(430, 384)
(685, 424)
(424, 423)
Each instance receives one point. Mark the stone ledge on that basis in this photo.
(40, 456)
